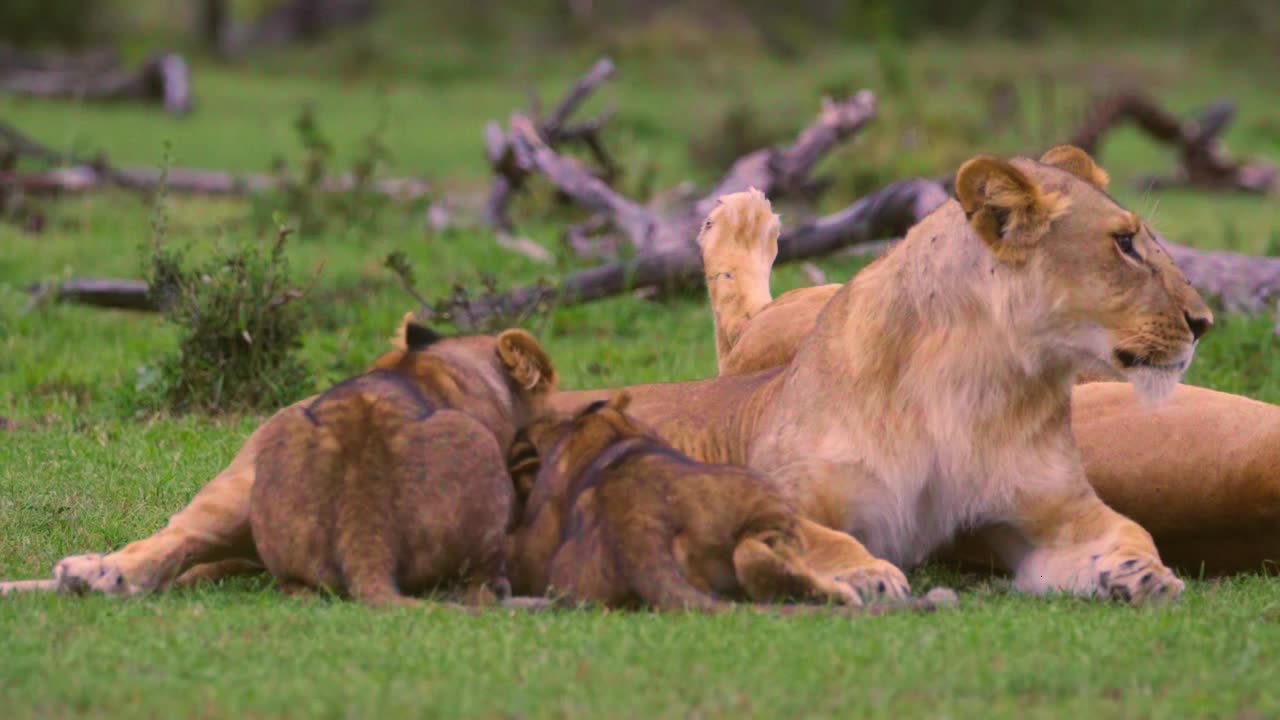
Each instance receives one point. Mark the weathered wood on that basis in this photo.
(100, 292)
(510, 169)
(1240, 283)
(574, 180)
(887, 213)
(84, 175)
(783, 171)
(1203, 159)
(776, 171)
(163, 78)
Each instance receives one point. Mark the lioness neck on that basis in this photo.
(939, 329)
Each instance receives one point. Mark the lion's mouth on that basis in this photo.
(1130, 360)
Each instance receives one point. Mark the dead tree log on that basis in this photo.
(98, 292)
(85, 174)
(163, 78)
(777, 171)
(1203, 159)
(509, 170)
(887, 213)
(1238, 283)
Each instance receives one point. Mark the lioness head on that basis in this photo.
(1129, 310)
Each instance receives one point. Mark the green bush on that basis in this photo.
(241, 322)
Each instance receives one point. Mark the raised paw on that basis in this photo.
(1136, 579)
(80, 574)
(877, 580)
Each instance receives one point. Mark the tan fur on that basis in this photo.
(1078, 163)
(739, 238)
(952, 410)
(649, 527)
(1197, 471)
(394, 483)
(718, 420)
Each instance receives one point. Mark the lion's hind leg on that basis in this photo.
(739, 242)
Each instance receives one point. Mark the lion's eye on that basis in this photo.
(1124, 241)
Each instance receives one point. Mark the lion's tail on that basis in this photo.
(739, 242)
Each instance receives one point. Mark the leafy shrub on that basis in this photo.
(241, 322)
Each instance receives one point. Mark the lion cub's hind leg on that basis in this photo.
(770, 569)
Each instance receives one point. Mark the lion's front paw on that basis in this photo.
(877, 580)
(80, 574)
(1137, 579)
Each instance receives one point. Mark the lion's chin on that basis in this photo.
(1155, 382)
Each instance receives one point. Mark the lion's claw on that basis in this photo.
(1137, 580)
(878, 580)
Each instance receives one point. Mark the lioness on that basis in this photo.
(720, 419)
(618, 517)
(394, 483)
(1200, 471)
(950, 407)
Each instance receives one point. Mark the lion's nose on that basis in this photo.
(1199, 324)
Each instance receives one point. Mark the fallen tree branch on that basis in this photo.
(1240, 283)
(1203, 159)
(784, 171)
(887, 213)
(163, 78)
(509, 168)
(85, 175)
(98, 292)
(777, 172)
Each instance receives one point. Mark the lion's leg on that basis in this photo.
(829, 495)
(768, 575)
(1079, 545)
(214, 526)
(739, 242)
(837, 555)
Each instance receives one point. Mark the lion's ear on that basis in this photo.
(529, 365)
(1077, 162)
(411, 335)
(419, 337)
(1006, 208)
(620, 400)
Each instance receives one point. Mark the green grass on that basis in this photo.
(81, 470)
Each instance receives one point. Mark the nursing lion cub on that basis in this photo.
(619, 517)
(394, 483)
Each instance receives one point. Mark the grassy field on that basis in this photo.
(83, 468)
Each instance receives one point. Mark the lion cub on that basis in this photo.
(619, 517)
(394, 482)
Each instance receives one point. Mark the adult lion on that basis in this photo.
(1200, 471)
(729, 418)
